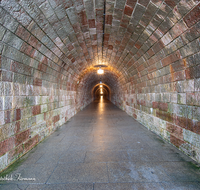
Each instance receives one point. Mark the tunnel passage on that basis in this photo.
(101, 90)
(48, 50)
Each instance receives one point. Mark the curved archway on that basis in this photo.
(104, 86)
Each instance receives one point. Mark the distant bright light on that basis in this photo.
(101, 86)
(100, 71)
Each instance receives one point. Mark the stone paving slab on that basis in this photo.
(103, 148)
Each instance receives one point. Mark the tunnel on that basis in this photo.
(51, 50)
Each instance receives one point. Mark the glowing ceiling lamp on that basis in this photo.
(100, 71)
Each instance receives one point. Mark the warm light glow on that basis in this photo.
(101, 86)
(100, 71)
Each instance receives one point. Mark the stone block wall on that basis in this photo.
(173, 113)
(28, 114)
(37, 84)
(164, 93)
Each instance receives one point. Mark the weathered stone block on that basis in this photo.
(2, 32)
(18, 114)
(6, 145)
(8, 89)
(22, 137)
(193, 16)
(31, 143)
(175, 131)
(3, 161)
(36, 109)
(196, 113)
(191, 137)
(12, 40)
(181, 98)
(176, 141)
(26, 112)
(44, 108)
(39, 118)
(8, 103)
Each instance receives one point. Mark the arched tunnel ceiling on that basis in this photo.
(131, 36)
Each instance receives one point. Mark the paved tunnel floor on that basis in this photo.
(103, 148)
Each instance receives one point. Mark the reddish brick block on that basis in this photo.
(117, 42)
(106, 37)
(83, 17)
(175, 130)
(170, 3)
(22, 33)
(27, 49)
(31, 143)
(178, 65)
(138, 45)
(163, 106)
(193, 16)
(22, 137)
(155, 105)
(70, 47)
(108, 19)
(99, 26)
(181, 121)
(125, 39)
(180, 75)
(18, 114)
(6, 145)
(196, 127)
(56, 118)
(152, 68)
(36, 110)
(176, 141)
(76, 27)
(132, 3)
(34, 42)
(150, 52)
(94, 37)
(69, 56)
(128, 10)
(135, 116)
(44, 60)
(42, 67)
(37, 82)
(17, 126)
(110, 47)
(91, 23)
(190, 73)
(73, 60)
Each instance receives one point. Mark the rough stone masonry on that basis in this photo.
(48, 50)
